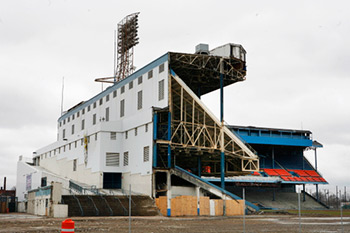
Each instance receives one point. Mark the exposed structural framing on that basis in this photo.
(194, 127)
(127, 39)
(202, 72)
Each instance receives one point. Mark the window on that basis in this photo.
(72, 129)
(107, 114)
(64, 133)
(82, 124)
(89, 108)
(146, 154)
(101, 101)
(131, 85)
(75, 144)
(135, 131)
(94, 119)
(43, 181)
(107, 98)
(78, 114)
(126, 159)
(64, 121)
(83, 111)
(59, 150)
(161, 68)
(139, 100)
(122, 90)
(139, 80)
(64, 148)
(95, 136)
(73, 117)
(113, 136)
(95, 105)
(112, 159)
(161, 90)
(122, 108)
(146, 128)
(74, 165)
(126, 134)
(69, 146)
(60, 123)
(114, 94)
(81, 141)
(68, 119)
(150, 74)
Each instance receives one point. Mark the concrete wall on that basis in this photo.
(59, 211)
(59, 156)
(45, 201)
(28, 177)
(141, 184)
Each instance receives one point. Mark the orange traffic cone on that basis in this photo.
(67, 226)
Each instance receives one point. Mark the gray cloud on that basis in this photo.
(297, 64)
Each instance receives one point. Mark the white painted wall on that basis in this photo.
(24, 170)
(58, 157)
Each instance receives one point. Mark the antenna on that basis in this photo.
(124, 48)
(62, 95)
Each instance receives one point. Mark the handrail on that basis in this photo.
(110, 209)
(97, 211)
(125, 211)
(247, 203)
(81, 208)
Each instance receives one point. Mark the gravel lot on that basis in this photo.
(254, 223)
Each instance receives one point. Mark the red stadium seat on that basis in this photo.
(312, 173)
(271, 172)
(282, 172)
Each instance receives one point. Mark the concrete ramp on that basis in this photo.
(209, 187)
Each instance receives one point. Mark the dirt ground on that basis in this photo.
(254, 223)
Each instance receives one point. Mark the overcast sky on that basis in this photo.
(298, 57)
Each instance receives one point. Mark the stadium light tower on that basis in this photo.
(127, 30)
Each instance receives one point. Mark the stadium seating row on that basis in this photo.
(294, 175)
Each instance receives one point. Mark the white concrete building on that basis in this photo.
(136, 129)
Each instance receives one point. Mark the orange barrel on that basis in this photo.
(67, 226)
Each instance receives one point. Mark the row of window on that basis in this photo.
(122, 90)
(113, 136)
(122, 109)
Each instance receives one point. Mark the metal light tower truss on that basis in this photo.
(126, 40)
(194, 127)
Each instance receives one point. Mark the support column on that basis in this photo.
(273, 157)
(303, 192)
(169, 139)
(222, 153)
(155, 130)
(198, 199)
(316, 170)
(199, 92)
(168, 194)
(199, 166)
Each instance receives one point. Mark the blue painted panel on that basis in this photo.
(168, 212)
(277, 141)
